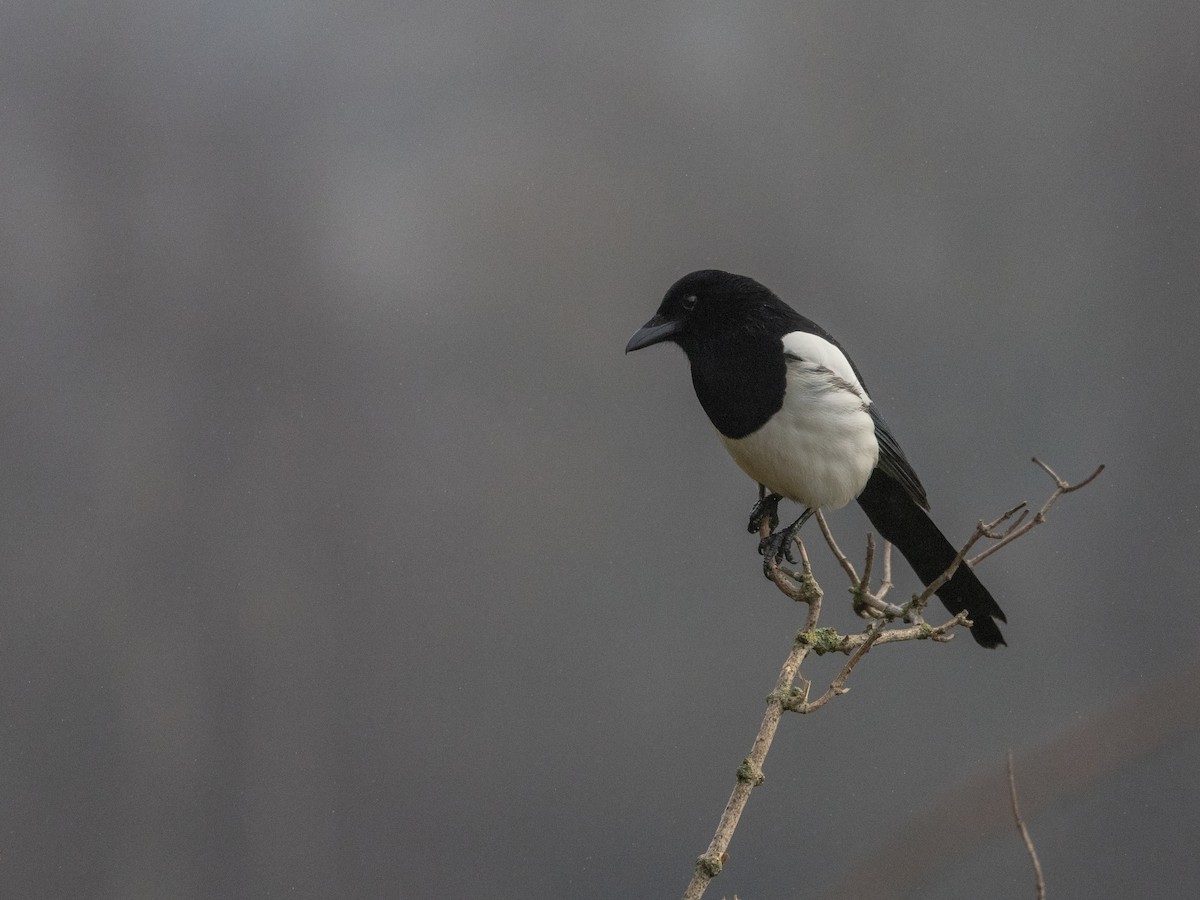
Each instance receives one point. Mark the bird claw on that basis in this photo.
(765, 510)
(776, 547)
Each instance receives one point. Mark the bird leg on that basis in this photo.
(765, 510)
(777, 546)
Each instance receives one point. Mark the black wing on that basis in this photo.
(893, 462)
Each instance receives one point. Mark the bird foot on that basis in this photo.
(765, 510)
(778, 546)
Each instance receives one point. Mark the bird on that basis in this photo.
(793, 411)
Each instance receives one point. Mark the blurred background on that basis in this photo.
(343, 554)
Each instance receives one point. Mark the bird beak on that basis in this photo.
(655, 331)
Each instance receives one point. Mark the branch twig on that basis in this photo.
(846, 565)
(1039, 882)
(837, 687)
(1061, 487)
(981, 530)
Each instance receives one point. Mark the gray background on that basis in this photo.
(344, 555)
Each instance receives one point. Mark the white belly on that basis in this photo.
(820, 448)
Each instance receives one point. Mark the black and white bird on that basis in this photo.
(793, 411)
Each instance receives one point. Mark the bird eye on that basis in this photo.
(689, 302)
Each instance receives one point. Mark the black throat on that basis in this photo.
(740, 381)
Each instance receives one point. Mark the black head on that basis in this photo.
(706, 306)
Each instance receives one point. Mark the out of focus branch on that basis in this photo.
(1132, 727)
(1039, 881)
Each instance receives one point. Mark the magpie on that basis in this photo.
(793, 411)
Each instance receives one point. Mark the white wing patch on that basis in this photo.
(815, 349)
(820, 448)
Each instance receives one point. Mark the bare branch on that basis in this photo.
(802, 586)
(1039, 882)
(866, 604)
(982, 529)
(886, 584)
(864, 585)
(923, 631)
(846, 565)
(749, 773)
(838, 686)
(1061, 487)
(1000, 535)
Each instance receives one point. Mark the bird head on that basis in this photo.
(704, 305)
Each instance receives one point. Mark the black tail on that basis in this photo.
(900, 520)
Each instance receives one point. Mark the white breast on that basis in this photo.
(820, 448)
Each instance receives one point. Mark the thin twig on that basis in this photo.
(1061, 487)
(886, 584)
(866, 604)
(1039, 881)
(868, 564)
(1000, 535)
(846, 565)
(1068, 765)
(980, 531)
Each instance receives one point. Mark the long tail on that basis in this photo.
(900, 520)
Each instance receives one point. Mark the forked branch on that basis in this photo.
(1061, 487)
